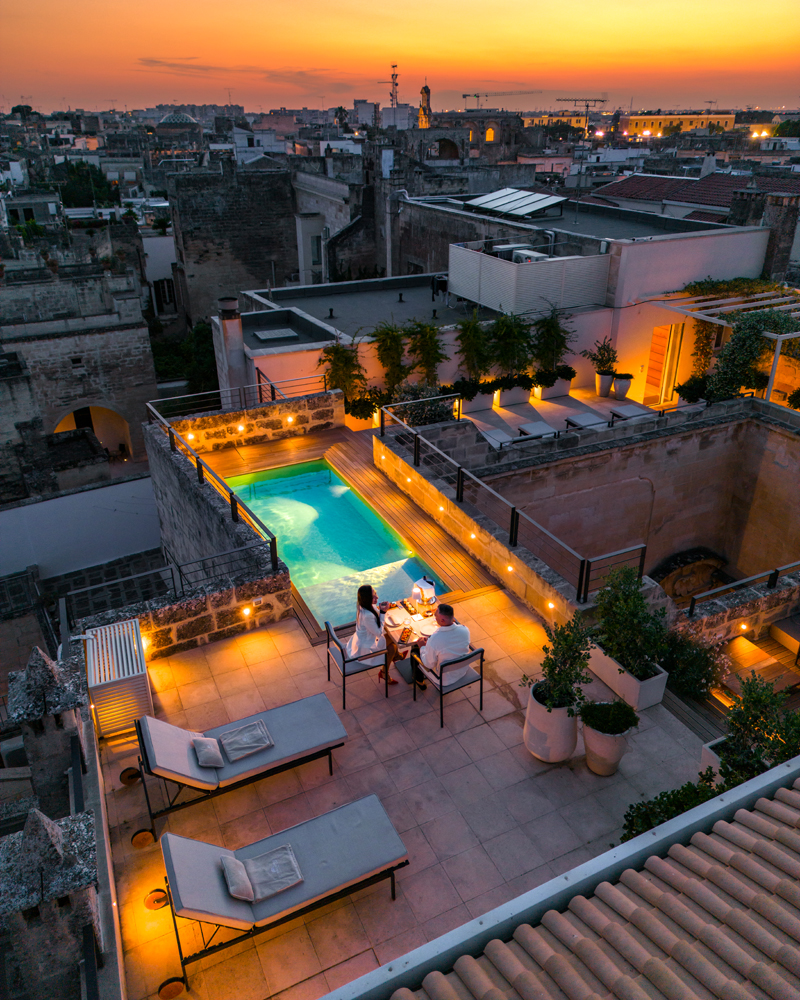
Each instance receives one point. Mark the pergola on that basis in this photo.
(715, 310)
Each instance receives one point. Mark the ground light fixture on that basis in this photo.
(156, 899)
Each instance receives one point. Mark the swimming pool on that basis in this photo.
(330, 539)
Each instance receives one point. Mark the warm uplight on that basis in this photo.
(471, 536)
(191, 437)
(441, 508)
(743, 626)
(659, 135)
(290, 420)
(754, 135)
(382, 457)
(246, 612)
(599, 134)
(550, 605)
(510, 569)
(624, 133)
(240, 427)
(409, 479)
(145, 642)
(647, 132)
(765, 132)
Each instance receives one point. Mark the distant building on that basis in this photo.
(366, 113)
(549, 118)
(654, 123)
(401, 117)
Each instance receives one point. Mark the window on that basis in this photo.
(316, 250)
(27, 214)
(13, 214)
(251, 141)
(490, 135)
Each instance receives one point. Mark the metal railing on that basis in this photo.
(239, 511)
(239, 398)
(585, 575)
(770, 575)
(290, 388)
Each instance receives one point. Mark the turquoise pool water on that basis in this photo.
(330, 539)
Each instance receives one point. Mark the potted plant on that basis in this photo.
(629, 641)
(389, 343)
(622, 383)
(606, 726)
(550, 342)
(548, 384)
(475, 361)
(425, 349)
(344, 370)
(603, 358)
(551, 722)
(512, 352)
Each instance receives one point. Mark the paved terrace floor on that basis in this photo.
(482, 819)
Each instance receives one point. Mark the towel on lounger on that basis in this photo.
(273, 872)
(245, 740)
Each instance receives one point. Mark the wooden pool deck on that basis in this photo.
(351, 455)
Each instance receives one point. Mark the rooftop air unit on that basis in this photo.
(528, 256)
(119, 687)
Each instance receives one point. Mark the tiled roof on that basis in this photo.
(713, 189)
(698, 215)
(718, 918)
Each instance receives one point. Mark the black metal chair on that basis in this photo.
(440, 682)
(348, 666)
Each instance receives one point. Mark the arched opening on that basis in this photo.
(448, 150)
(110, 428)
(490, 134)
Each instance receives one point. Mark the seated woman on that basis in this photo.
(368, 636)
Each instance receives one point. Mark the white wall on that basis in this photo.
(659, 264)
(160, 251)
(80, 530)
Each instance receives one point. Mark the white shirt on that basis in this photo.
(446, 643)
(367, 638)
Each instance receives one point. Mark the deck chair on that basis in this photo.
(347, 667)
(337, 853)
(301, 731)
(441, 683)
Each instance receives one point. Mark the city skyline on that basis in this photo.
(187, 55)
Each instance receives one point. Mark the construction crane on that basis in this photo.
(393, 82)
(587, 102)
(497, 93)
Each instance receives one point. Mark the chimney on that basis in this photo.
(780, 216)
(747, 208)
(230, 321)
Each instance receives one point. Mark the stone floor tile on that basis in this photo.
(376, 716)
(356, 754)
(247, 829)
(445, 922)
(472, 873)
(372, 780)
(288, 959)
(388, 951)
(430, 893)
(466, 785)
(199, 822)
(354, 967)
(552, 836)
(462, 715)
(408, 770)
(224, 655)
(428, 801)
(278, 787)
(531, 880)
(525, 800)
(189, 667)
(495, 704)
(513, 853)
(240, 706)
(267, 672)
(280, 693)
(560, 785)
(617, 798)
(449, 835)
(588, 818)
(198, 693)
(425, 729)
(651, 780)
(399, 812)
(329, 796)
(160, 674)
(501, 769)
(489, 900)
(303, 661)
(514, 640)
(509, 729)
(655, 742)
(445, 756)
(240, 976)
(201, 718)
(310, 989)
(289, 812)
(570, 860)
(236, 802)
(506, 670)
(290, 642)
(311, 683)
(167, 703)
(494, 622)
(480, 742)
(256, 646)
(383, 917)
(238, 681)
(420, 852)
(337, 936)
(391, 741)
(487, 817)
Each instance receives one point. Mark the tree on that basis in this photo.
(23, 110)
(340, 116)
(425, 348)
(87, 186)
(390, 347)
(788, 129)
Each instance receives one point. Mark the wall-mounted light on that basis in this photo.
(550, 605)
(247, 612)
(743, 626)
(472, 536)
(441, 508)
(408, 480)
(240, 427)
(510, 569)
(145, 642)
(191, 437)
(290, 420)
(155, 899)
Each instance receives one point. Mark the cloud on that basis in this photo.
(304, 81)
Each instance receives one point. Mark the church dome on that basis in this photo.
(177, 118)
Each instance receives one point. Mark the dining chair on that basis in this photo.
(349, 666)
(441, 683)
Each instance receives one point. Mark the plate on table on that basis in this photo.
(395, 617)
(427, 627)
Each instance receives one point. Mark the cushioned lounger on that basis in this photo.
(301, 731)
(345, 849)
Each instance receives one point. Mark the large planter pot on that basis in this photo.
(512, 397)
(621, 387)
(604, 752)
(638, 694)
(561, 388)
(483, 401)
(356, 424)
(709, 756)
(602, 384)
(550, 736)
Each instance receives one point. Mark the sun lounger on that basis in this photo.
(301, 731)
(337, 853)
(585, 420)
(630, 411)
(496, 437)
(536, 429)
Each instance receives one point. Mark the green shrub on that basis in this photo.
(603, 358)
(550, 341)
(694, 665)
(693, 389)
(425, 348)
(564, 666)
(343, 369)
(511, 344)
(793, 399)
(627, 630)
(611, 717)
(424, 412)
(644, 816)
(474, 349)
(364, 406)
(390, 348)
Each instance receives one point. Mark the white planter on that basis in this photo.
(602, 384)
(603, 751)
(710, 758)
(561, 388)
(621, 387)
(512, 397)
(638, 694)
(356, 424)
(550, 736)
(483, 401)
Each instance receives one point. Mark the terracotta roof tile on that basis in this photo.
(713, 189)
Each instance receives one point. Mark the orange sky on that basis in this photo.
(667, 53)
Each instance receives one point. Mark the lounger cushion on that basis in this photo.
(239, 884)
(245, 740)
(170, 754)
(272, 872)
(197, 883)
(208, 752)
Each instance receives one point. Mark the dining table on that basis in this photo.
(395, 623)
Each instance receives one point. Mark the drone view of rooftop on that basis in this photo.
(399, 505)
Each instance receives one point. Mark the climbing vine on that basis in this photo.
(738, 362)
(704, 334)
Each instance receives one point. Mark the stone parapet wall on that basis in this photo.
(271, 422)
(205, 614)
(757, 607)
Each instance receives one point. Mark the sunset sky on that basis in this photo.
(665, 53)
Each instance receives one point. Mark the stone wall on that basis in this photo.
(757, 607)
(234, 230)
(205, 614)
(195, 518)
(271, 422)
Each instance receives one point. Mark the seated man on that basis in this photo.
(449, 641)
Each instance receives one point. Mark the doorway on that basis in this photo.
(662, 367)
